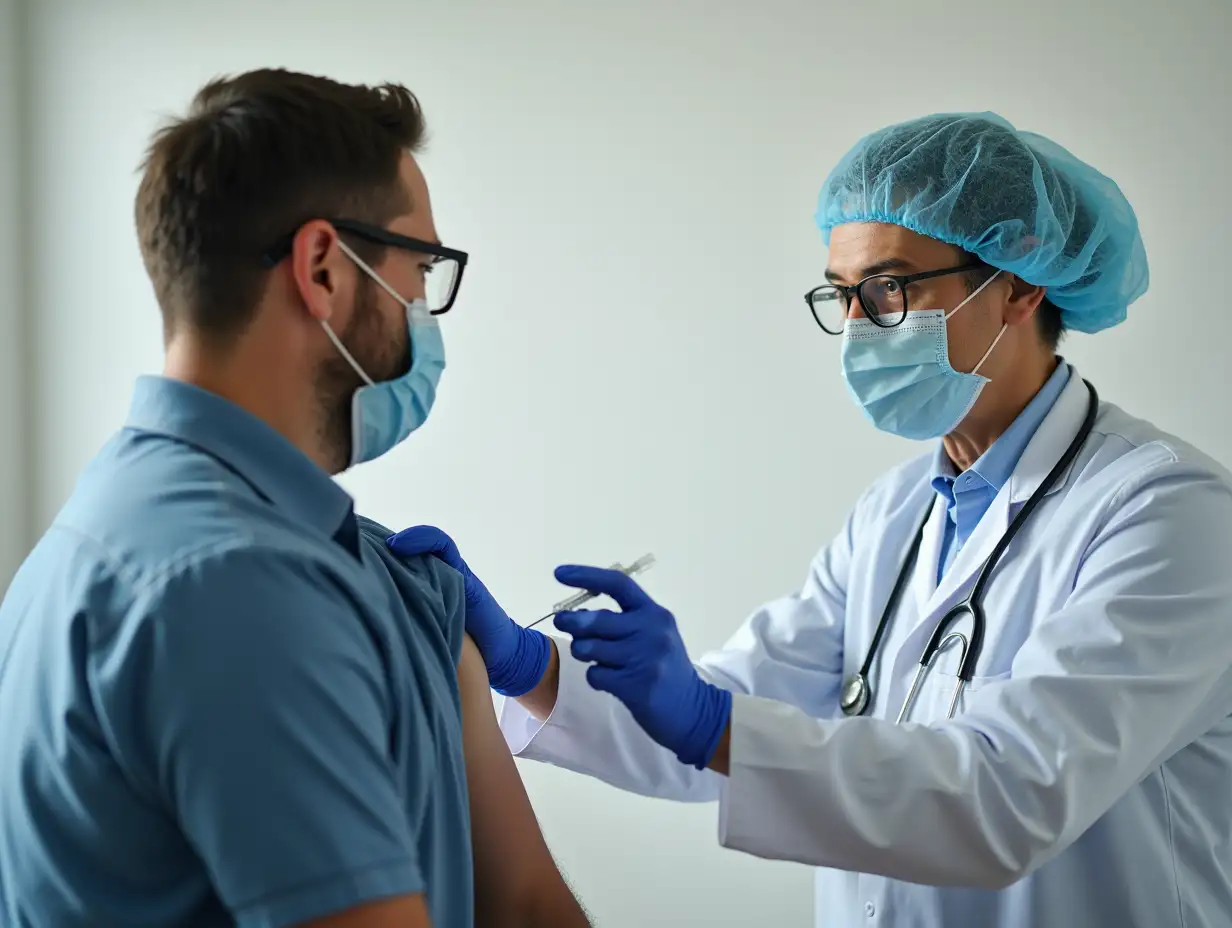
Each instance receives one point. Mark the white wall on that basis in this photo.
(14, 448)
(632, 365)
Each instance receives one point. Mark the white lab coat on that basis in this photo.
(1087, 779)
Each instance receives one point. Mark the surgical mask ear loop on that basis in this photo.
(973, 295)
(363, 266)
(347, 356)
(1004, 326)
(976, 369)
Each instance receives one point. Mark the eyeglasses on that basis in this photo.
(883, 297)
(444, 274)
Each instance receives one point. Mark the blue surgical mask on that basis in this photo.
(384, 414)
(901, 377)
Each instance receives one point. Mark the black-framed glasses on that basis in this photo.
(443, 277)
(883, 297)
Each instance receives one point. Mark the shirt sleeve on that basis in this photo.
(423, 578)
(253, 699)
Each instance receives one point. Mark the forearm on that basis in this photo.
(541, 701)
(561, 910)
(553, 906)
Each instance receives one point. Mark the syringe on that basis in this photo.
(643, 563)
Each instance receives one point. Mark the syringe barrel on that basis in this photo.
(645, 562)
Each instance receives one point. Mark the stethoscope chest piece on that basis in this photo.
(854, 698)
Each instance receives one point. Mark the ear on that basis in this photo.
(318, 267)
(1024, 300)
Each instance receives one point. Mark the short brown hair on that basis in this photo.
(257, 156)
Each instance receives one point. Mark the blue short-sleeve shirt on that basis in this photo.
(222, 701)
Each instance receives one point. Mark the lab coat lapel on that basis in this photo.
(968, 561)
(924, 580)
(1050, 441)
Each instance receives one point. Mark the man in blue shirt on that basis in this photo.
(225, 702)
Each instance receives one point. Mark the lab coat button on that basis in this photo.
(869, 909)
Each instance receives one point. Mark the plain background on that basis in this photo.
(632, 365)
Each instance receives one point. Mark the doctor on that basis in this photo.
(1062, 755)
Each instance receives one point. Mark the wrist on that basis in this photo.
(541, 701)
(709, 729)
(720, 757)
(524, 663)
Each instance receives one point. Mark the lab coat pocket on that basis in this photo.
(937, 691)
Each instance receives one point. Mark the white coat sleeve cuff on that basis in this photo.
(531, 738)
(593, 733)
(760, 809)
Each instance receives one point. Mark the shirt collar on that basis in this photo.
(275, 468)
(996, 465)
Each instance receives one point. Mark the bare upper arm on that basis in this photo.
(511, 858)
(409, 911)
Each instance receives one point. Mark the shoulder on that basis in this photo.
(155, 534)
(150, 507)
(243, 594)
(1144, 498)
(237, 625)
(899, 481)
(897, 489)
(238, 622)
(1147, 444)
(891, 506)
(1133, 459)
(432, 591)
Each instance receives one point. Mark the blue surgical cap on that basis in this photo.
(1016, 200)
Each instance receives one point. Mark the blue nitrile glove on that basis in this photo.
(516, 657)
(640, 659)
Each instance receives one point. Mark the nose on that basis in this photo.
(854, 309)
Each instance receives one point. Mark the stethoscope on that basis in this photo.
(857, 691)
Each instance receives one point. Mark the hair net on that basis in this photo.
(1014, 199)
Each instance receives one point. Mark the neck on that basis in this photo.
(258, 382)
(989, 420)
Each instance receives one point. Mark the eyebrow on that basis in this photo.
(890, 264)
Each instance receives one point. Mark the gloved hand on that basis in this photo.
(640, 659)
(516, 657)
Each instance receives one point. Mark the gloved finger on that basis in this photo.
(426, 539)
(617, 653)
(622, 588)
(596, 623)
(603, 679)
